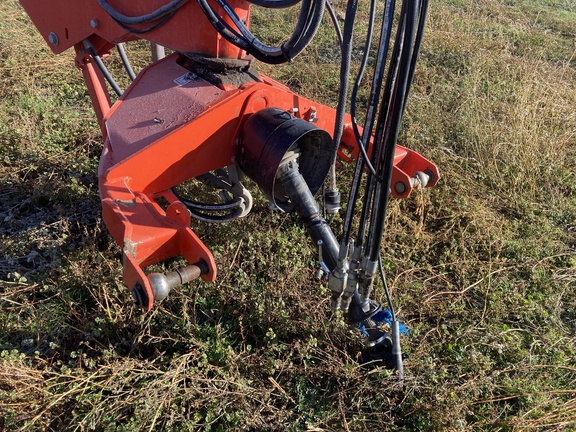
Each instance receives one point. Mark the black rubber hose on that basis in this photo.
(334, 20)
(212, 212)
(300, 39)
(297, 190)
(393, 125)
(376, 87)
(377, 79)
(417, 45)
(143, 19)
(102, 67)
(232, 37)
(152, 27)
(312, 28)
(365, 139)
(302, 24)
(274, 4)
(307, 26)
(371, 114)
(351, 9)
(125, 61)
(379, 141)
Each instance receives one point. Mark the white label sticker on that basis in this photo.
(186, 78)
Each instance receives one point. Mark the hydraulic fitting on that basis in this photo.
(338, 278)
(332, 201)
(366, 279)
(352, 280)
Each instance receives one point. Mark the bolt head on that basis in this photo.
(53, 38)
(94, 23)
(400, 188)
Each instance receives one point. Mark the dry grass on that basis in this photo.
(483, 267)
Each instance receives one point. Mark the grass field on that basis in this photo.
(482, 267)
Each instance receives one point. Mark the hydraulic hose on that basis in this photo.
(334, 20)
(308, 23)
(152, 27)
(344, 73)
(392, 125)
(345, 61)
(167, 9)
(305, 205)
(376, 86)
(417, 44)
(378, 71)
(301, 26)
(125, 61)
(90, 48)
(373, 187)
(275, 4)
(223, 212)
(377, 79)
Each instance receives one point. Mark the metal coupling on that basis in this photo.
(162, 283)
(352, 281)
(336, 283)
(332, 201)
(338, 278)
(366, 279)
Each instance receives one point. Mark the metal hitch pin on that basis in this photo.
(162, 283)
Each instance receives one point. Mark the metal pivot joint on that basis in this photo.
(163, 283)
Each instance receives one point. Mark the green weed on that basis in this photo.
(482, 267)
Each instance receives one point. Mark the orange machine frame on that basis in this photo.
(172, 125)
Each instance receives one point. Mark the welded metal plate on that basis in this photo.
(157, 103)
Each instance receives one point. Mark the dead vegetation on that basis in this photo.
(482, 266)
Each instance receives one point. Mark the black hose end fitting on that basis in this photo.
(381, 354)
(359, 311)
(332, 201)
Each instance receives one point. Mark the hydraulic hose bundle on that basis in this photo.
(358, 265)
(156, 19)
(355, 264)
(392, 101)
(308, 23)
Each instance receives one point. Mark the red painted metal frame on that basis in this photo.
(173, 146)
(71, 21)
(165, 130)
